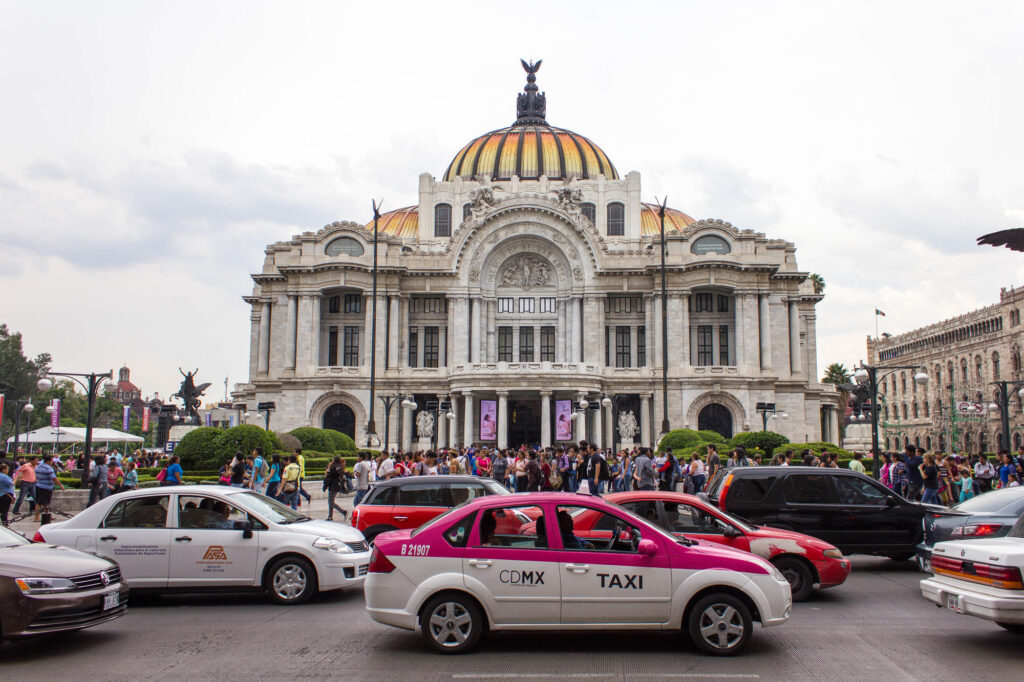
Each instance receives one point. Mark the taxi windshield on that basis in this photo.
(269, 509)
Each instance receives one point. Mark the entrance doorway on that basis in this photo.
(717, 418)
(523, 422)
(340, 417)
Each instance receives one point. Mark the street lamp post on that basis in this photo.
(1004, 406)
(371, 425)
(19, 407)
(266, 409)
(91, 382)
(767, 410)
(868, 374)
(664, 322)
(437, 407)
(389, 402)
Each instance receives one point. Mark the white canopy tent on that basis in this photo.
(70, 434)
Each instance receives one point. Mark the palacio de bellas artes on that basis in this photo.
(524, 283)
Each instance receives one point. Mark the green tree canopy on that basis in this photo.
(18, 375)
(819, 283)
(837, 374)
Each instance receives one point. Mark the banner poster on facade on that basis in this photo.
(563, 420)
(231, 420)
(126, 418)
(145, 419)
(488, 420)
(55, 413)
(209, 419)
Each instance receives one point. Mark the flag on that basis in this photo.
(879, 312)
(55, 415)
(145, 419)
(126, 418)
(209, 419)
(231, 420)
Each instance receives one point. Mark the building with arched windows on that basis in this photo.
(963, 357)
(525, 277)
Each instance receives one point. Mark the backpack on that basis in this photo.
(499, 468)
(605, 472)
(264, 468)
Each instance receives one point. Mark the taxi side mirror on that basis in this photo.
(647, 547)
(245, 527)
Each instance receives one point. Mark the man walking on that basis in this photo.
(46, 479)
(26, 473)
(362, 474)
(643, 471)
(302, 476)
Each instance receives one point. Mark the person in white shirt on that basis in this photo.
(984, 472)
(386, 469)
(362, 470)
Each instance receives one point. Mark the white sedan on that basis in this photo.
(208, 536)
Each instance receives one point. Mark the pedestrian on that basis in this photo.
(174, 472)
(6, 492)
(115, 476)
(362, 472)
(333, 479)
(856, 465)
(966, 484)
(237, 471)
(697, 473)
(714, 462)
(260, 470)
(667, 471)
(290, 483)
(534, 474)
(914, 480)
(131, 477)
(26, 475)
(274, 476)
(929, 472)
(984, 472)
(302, 476)
(484, 464)
(643, 470)
(97, 480)
(46, 480)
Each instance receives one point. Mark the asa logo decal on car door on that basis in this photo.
(214, 560)
(624, 582)
(524, 578)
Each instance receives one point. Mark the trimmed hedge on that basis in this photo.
(680, 439)
(711, 436)
(243, 438)
(816, 447)
(198, 450)
(323, 440)
(766, 441)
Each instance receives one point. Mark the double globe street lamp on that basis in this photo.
(92, 383)
(868, 376)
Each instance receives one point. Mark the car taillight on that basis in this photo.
(976, 530)
(725, 489)
(353, 518)
(379, 563)
(1004, 574)
(38, 537)
(941, 563)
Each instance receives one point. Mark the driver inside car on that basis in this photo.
(570, 541)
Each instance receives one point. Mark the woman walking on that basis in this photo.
(333, 485)
(274, 477)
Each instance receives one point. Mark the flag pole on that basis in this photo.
(876, 324)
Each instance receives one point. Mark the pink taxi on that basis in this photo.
(473, 569)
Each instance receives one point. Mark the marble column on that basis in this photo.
(649, 330)
(406, 428)
(765, 333)
(794, 338)
(442, 423)
(364, 342)
(254, 342)
(382, 330)
(833, 425)
(598, 428)
(545, 419)
(403, 332)
(477, 342)
(502, 419)
(683, 347)
(291, 326)
(314, 326)
(608, 419)
(675, 326)
(467, 421)
(264, 355)
(450, 340)
(747, 333)
(561, 346)
(393, 333)
(581, 422)
(491, 333)
(577, 341)
(645, 420)
(461, 330)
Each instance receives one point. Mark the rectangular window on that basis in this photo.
(705, 347)
(428, 304)
(414, 344)
(589, 212)
(607, 347)
(351, 352)
(723, 345)
(641, 346)
(622, 346)
(547, 343)
(616, 220)
(703, 303)
(334, 305)
(723, 304)
(526, 344)
(332, 346)
(526, 305)
(430, 345)
(505, 344)
(506, 305)
(547, 305)
(624, 304)
(353, 303)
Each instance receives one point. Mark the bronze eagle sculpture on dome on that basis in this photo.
(1012, 239)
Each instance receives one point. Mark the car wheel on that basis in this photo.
(720, 625)
(1015, 628)
(799, 576)
(451, 623)
(902, 556)
(291, 580)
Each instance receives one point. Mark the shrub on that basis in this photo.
(318, 440)
(244, 439)
(767, 441)
(288, 443)
(679, 439)
(341, 441)
(711, 436)
(198, 449)
(817, 448)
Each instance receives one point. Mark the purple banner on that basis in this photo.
(126, 418)
(563, 420)
(55, 414)
(488, 420)
(209, 419)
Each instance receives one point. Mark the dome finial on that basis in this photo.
(531, 106)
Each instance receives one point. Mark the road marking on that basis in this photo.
(573, 676)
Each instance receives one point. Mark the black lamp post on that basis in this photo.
(371, 424)
(92, 383)
(868, 374)
(614, 402)
(1004, 406)
(664, 323)
(266, 409)
(389, 402)
(767, 410)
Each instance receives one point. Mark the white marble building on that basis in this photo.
(526, 276)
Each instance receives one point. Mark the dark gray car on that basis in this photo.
(990, 515)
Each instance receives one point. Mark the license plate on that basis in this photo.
(954, 602)
(111, 601)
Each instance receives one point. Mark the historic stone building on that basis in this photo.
(525, 278)
(963, 356)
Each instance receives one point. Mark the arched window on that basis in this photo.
(995, 365)
(589, 211)
(1016, 441)
(914, 409)
(903, 382)
(467, 210)
(616, 219)
(886, 412)
(1015, 358)
(885, 388)
(710, 243)
(963, 370)
(344, 245)
(905, 411)
(927, 409)
(978, 368)
(928, 442)
(886, 443)
(917, 441)
(443, 220)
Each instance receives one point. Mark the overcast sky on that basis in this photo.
(152, 149)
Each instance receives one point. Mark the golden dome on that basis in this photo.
(402, 222)
(650, 223)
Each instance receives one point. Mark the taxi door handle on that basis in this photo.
(108, 538)
(401, 518)
(183, 538)
(480, 563)
(577, 568)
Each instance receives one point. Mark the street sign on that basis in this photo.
(968, 407)
(169, 446)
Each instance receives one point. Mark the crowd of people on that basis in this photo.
(281, 476)
(941, 478)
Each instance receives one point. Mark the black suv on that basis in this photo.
(852, 511)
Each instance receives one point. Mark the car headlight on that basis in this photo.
(777, 574)
(832, 554)
(332, 545)
(44, 585)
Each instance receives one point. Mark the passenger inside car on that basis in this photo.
(487, 525)
(569, 540)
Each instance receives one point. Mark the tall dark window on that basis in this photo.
(353, 303)
(607, 347)
(414, 347)
(334, 304)
(703, 303)
(616, 219)
(547, 344)
(723, 304)
(705, 346)
(443, 220)
(590, 211)
(723, 345)
(641, 346)
(332, 346)
(467, 209)
(351, 352)
(622, 346)
(504, 344)
(430, 345)
(526, 344)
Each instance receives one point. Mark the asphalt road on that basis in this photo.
(875, 627)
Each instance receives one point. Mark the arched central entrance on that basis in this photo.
(340, 417)
(715, 417)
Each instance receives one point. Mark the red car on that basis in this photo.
(804, 560)
(411, 501)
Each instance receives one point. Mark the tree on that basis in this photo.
(18, 375)
(837, 374)
(819, 283)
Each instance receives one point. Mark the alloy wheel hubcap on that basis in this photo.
(721, 626)
(450, 624)
(289, 582)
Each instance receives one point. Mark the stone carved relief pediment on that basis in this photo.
(525, 271)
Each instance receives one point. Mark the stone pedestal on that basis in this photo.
(625, 444)
(858, 438)
(424, 444)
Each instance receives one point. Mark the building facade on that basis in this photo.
(963, 356)
(527, 277)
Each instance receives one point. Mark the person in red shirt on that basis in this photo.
(26, 473)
